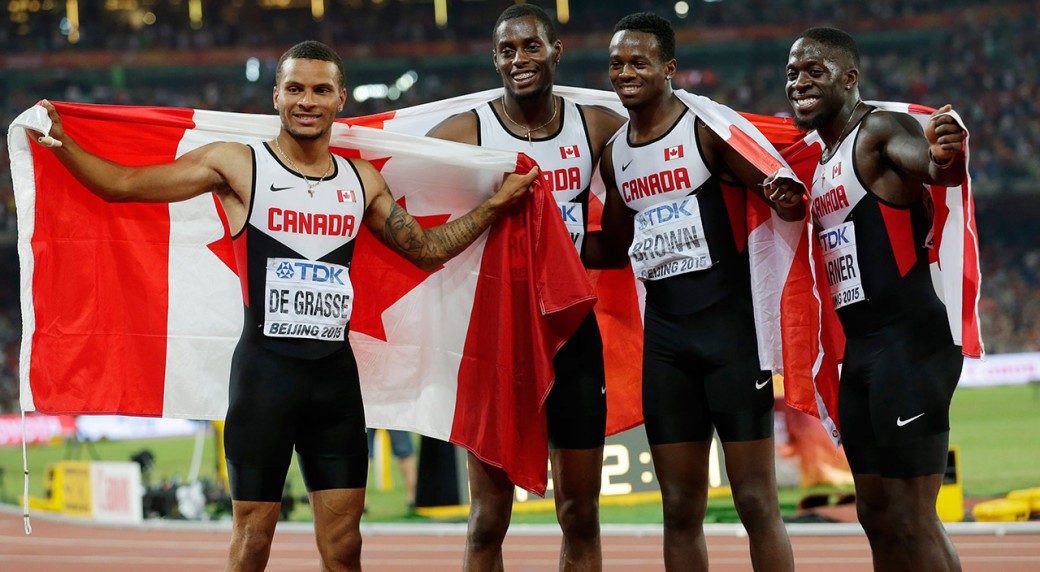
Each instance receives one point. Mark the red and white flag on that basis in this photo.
(136, 308)
(673, 153)
(954, 263)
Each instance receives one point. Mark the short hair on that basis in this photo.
(836, 39)
(312, 50)
(655, 25)
(527, 10)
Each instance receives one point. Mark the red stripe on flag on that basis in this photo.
(751, 150)
(970, 335)
(780, 131)
(119, 257)
(375, 121)
(534, 306)
(735, 197)
(621, 326)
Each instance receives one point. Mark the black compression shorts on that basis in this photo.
(278, 402)
(895, 393)
(576, 409)
(701, 371)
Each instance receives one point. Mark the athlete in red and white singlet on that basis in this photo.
(566, 140)
(675, 208)
(901, 366)
(294, 379)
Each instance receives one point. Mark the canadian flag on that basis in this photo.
(136, 308)
(126, 305)
(673, 153)
(570, 152)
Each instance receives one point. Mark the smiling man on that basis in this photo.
(901, 365)
(566, 140)
(676, 194)
(294, 379)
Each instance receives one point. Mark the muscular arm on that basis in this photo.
(430, 248)
(608, 248)
(784, 195)
(200, 171)
(908, 146)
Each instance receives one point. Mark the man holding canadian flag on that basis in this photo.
(295, 210)
(678, 196)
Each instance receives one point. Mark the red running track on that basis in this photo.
(61, 544)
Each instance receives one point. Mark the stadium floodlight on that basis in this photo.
(682, 9)
(383, 91)
(252, 69)
(371, 91)
(406, 81)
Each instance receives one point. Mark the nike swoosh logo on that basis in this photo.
(761, 385)
(275, 189)
(625, 166)
(900, 421)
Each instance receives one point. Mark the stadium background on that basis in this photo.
(979, 56)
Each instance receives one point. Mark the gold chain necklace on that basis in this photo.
(310, 186)
(847, 122)
(529, 129)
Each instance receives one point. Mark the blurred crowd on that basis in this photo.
(974, 54)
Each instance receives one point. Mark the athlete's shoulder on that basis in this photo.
(224, 150)
(462, 128)
(603, 122)
(600, 113)
(887, 122)
(367, 172)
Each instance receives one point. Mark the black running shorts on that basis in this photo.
(895, 393)
(576, 409)
(701, 372)
(278, 402)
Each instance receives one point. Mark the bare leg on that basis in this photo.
(251, 534)
(751, 468)
(576, 483)
(682, 470)
(491, 507)
(337, 516)
(409, 472)
(902, 526)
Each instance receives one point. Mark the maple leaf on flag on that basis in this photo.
(373, 264)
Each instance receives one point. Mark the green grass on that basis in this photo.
(997, 430)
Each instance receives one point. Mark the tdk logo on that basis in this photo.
(834, 238)
(310, 272)
(664, 213)
(568, 212)
(284, 270)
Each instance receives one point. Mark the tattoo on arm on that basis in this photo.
(430, 248)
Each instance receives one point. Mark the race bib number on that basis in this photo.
(669, 240)
(575, 222)
(838, 245)
(307, 299)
